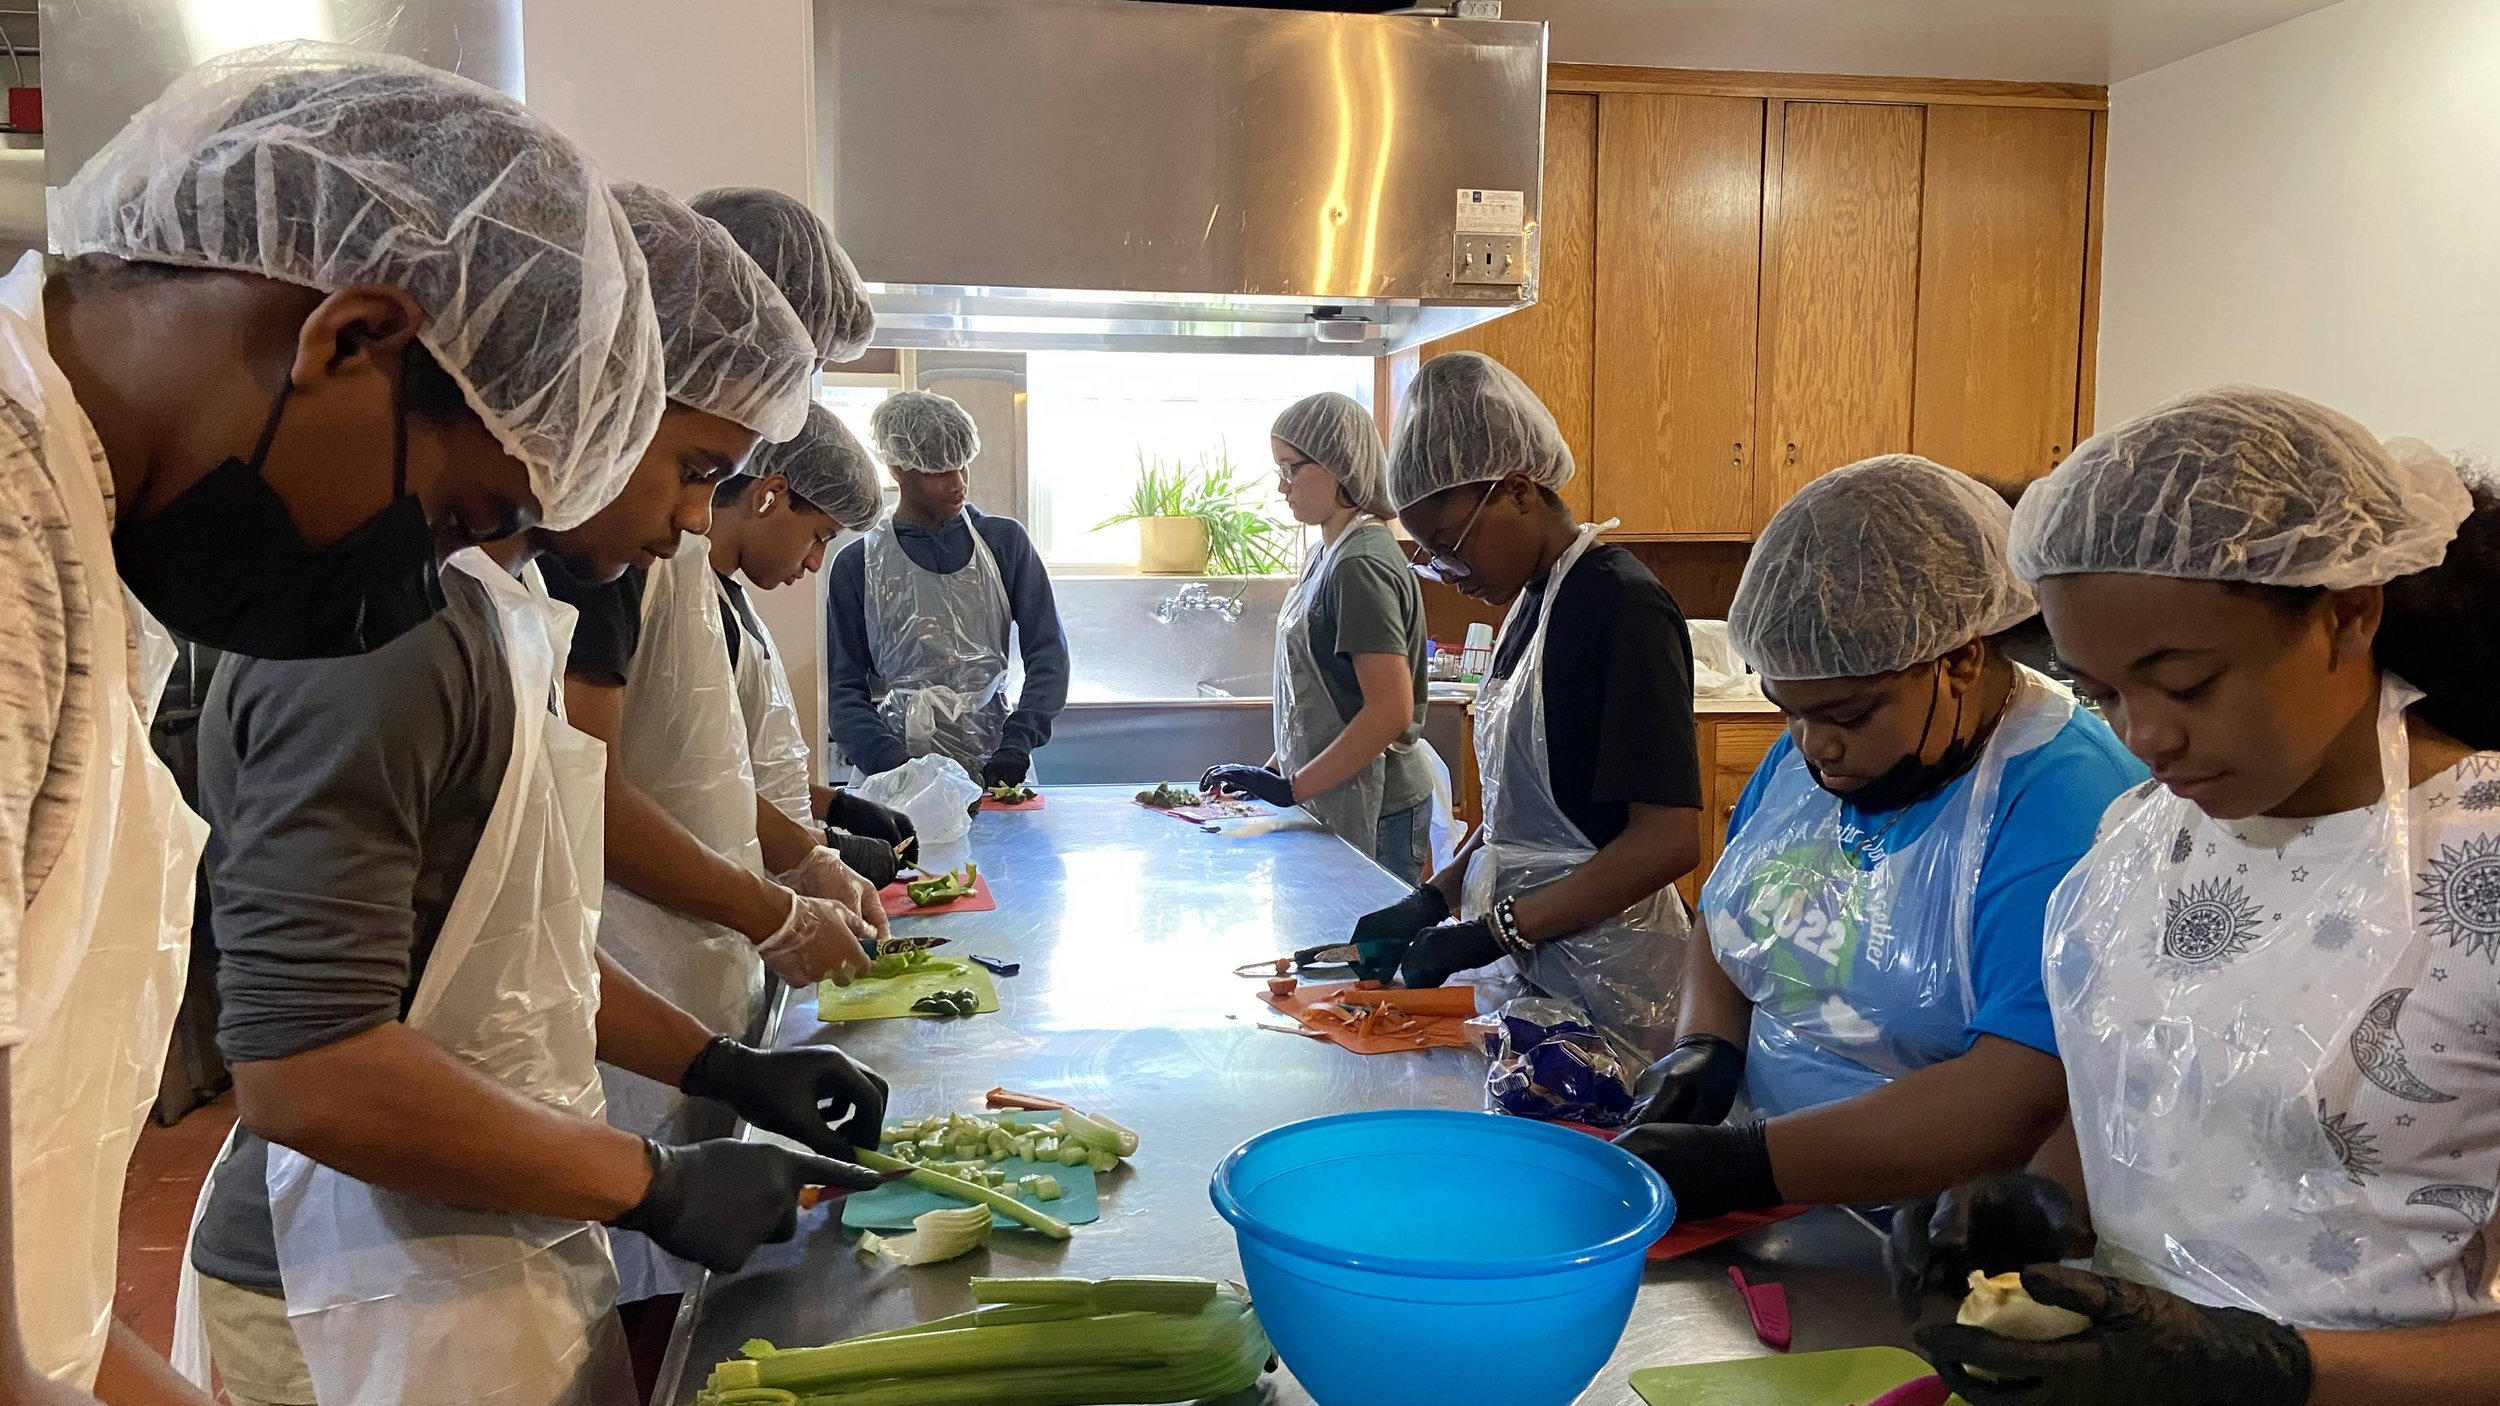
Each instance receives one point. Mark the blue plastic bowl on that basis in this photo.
(1434, 1257)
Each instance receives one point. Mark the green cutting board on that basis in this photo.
(1851, 1377)
(885, 998)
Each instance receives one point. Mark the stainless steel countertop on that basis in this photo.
(1129, 924)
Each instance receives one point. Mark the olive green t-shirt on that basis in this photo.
(1369, 604)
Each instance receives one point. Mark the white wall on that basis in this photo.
(2315, 207)
(687, 98)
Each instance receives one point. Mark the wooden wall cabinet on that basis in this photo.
(1679, 234)
(1748, 280)
(1732, 745)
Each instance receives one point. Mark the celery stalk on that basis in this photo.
(962, 1190)
(936, 1236)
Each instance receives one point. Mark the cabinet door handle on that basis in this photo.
(1792, 456)
(1736, 455)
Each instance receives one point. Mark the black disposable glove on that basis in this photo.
(872, 859)
(1992, 1224)
(2145, 1347)
(1008, 766)
(1695, 1083)
(1439, 953)
(1711, 1169)
(855, 813)
(815, 1094)
(714, 1202)
(1381, 938)
(1253, 781)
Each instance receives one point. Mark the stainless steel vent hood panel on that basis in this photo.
(1036, 174)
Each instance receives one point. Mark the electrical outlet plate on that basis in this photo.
(1499, 259)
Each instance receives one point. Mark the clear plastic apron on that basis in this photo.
(1856, 955)
(1626, 972)
(105, 945)
(2218, 1026)
(684, 742)
(1307, 719)
(776, 744)
(398, 1301)
(938, 645)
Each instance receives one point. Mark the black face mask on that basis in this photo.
(223, 564)
(1913, 779)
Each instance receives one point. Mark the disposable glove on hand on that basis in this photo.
(819, 939)
(823, 874)
(1712, 1170)
(715, 1202)
(1256, 782)
(1008, 766)
(871, 859)
(1992, 1224)
(1695, 1083)
(1382, 937)
(1439, 953)
(847, 810)
(797, 1093)
(2146, 1347)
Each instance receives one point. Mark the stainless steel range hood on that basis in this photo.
(1092, 174)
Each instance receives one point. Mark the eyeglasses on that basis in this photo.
(1286, 473)
(1445, 567)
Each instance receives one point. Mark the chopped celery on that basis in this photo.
(1039, 1187)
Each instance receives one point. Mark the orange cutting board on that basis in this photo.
(898, 904)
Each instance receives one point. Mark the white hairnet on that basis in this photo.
(326, 166)
(925, 432)
(828, 468)
(801, 258)
(2239, 483)
(731, 344)
(1884, 564)
(1467, 419)
(1335, 432)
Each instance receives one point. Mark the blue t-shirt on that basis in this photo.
(2048, 809)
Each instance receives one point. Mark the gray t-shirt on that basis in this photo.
(1369, 604)
(345, 798)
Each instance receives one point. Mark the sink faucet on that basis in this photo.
(1196, 597)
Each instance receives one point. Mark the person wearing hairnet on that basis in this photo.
(1869, 974)
(702, 903)
(1349, 678)
(798, 253)
(1584, 733)
(770, 525)
(2272, 976)
(263, 389)
(466, 978)
(918, 616)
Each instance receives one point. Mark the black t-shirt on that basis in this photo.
(610, 628)
(1618, 690)
(738, 619)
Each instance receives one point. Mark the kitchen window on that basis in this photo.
(1090, 416)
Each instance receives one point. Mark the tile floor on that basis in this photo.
(166, 1171)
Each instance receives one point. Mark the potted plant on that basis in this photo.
(1201, 520)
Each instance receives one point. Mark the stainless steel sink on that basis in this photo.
(1149, 740)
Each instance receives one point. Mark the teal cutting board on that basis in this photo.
(1851, 1377)
(895, 1206)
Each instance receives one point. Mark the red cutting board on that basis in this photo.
(1034, 804)
(898, 904)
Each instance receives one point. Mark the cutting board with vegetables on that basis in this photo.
(891, 997)
(894, 1207)
(1852, 1377)
(897, 900)
(1383, 1021)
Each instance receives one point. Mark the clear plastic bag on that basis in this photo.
(936, 792)
(1552, 1064)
